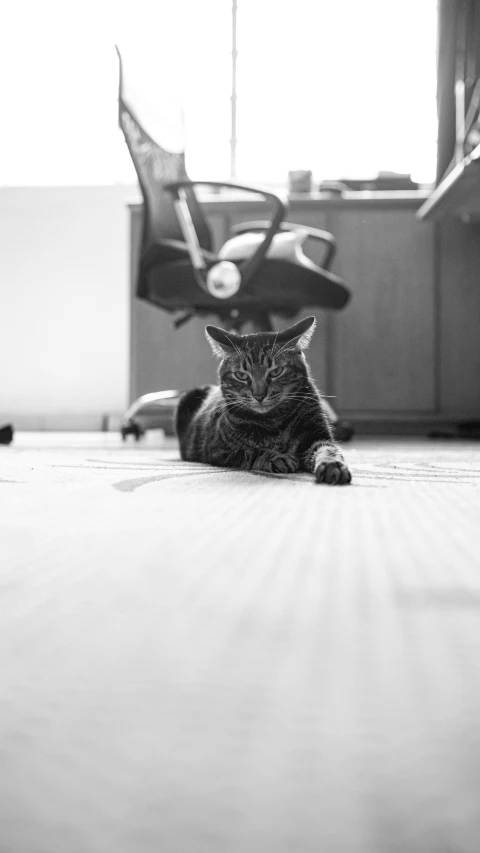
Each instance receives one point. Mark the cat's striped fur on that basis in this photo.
(266, 414)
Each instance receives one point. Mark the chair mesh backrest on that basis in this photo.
(155, 166)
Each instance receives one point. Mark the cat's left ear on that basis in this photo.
(222, 343)
(298, 335)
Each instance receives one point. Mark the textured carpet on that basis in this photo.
(206, 661)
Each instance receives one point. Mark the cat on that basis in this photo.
(266, 414)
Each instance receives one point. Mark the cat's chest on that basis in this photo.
(280, 440)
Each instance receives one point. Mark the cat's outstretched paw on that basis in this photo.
(334, 473)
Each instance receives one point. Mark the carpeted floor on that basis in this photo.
(196, 660)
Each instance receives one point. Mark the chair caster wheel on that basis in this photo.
(344, 431)
(132, 428)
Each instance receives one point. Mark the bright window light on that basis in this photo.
(344, 89)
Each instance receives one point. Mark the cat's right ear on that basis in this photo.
(222, 343)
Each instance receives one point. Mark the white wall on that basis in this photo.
(64, 305)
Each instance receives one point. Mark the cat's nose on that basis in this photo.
(260, 395)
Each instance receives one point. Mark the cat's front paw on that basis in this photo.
(285, 463)
(334, 473)
(277, 463)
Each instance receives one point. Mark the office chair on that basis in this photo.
(259, 272)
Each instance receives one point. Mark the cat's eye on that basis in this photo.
(241, 375)
(277, 371)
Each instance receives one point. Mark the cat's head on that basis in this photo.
(263, 370)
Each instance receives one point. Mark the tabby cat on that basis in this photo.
(266, 414)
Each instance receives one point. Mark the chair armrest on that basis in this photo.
(314, 233)
(250, 266)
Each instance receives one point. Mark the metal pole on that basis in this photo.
(460, 70)
(233, 98)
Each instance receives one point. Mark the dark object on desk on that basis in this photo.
(465, 430)
(259, 272)
(333, 187)
(384, 182)
(6, 434)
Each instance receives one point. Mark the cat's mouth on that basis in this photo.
(261, 406)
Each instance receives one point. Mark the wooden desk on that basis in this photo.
(406, 350)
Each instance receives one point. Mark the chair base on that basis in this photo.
(160, 406)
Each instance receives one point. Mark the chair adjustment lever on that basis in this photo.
(184, 318)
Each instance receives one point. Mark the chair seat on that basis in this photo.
(281, 286)
(170, 250)
(286, 245)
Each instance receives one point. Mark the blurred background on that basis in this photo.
(347, 91)
(344, 89)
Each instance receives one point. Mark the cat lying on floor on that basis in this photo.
(266, 414)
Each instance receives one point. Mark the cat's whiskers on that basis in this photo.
(300, 397)
(232, 405)
(236, 405)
